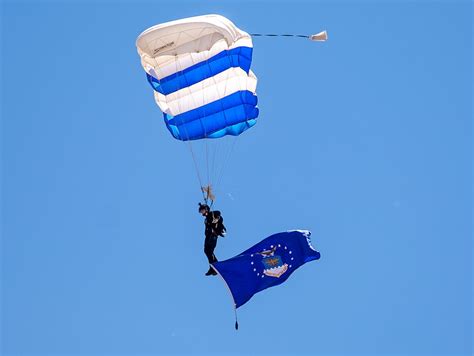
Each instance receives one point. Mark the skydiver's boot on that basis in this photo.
(211, 272)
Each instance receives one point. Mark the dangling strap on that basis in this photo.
(236, 322)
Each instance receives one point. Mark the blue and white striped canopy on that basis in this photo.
(199, 68)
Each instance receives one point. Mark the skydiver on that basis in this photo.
(214, 227)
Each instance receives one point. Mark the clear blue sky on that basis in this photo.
(365, 140)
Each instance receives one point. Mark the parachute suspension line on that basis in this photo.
(215, 146)
(207, 189)
(227, 154)
(196, 169)
(213, 162)
(226, 159)
(209, 186)
(180, 69)
(207, 162)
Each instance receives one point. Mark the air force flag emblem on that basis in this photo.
(274, 266)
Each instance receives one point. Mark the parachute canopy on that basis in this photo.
(199, 68)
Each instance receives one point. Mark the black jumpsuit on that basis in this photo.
(214, 227)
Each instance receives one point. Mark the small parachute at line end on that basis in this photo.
(319, 37)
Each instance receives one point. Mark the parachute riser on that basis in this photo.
(208, 195)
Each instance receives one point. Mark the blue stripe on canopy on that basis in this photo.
(230, 115)
(236, 57)
(229, 101)
(234, 130)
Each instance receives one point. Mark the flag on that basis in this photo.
(266, 264)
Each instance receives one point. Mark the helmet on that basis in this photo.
(203, 207)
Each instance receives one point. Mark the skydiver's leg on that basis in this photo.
(209, 245)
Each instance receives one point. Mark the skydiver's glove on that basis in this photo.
(222, 231)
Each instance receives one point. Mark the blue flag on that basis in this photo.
(266, 264)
